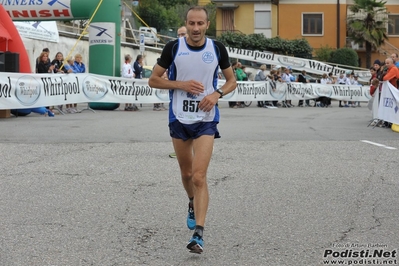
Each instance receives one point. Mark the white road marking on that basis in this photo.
(379, 145)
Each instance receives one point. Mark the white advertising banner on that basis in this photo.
(38, 9)
(375, 106)
(19, 90)
(36, 90)
(39, 30)
(389, 103)
(311, 66)
(277, 91)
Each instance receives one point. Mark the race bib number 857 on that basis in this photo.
(190, 106)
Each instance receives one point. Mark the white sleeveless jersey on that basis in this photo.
(202, 66)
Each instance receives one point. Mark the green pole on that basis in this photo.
(104, 37)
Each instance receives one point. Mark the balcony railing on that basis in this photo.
(129, 35)
(386, 48)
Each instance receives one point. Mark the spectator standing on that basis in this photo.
(127, 72)
(70, 68)
(331, 78)
(181, 32)
(356, 82)
(276, 77)
(247, 74)
(138, 67)
(138, 72)
(44, 65)
(234, 66)
(38, 60)
(395, 59)
(287, 77)
(59, 67)
(325, 101)
(392, 74)
(349, 82)
(79, 67)
(342, 81)
(302, 78)
(78, 64)
(58, 62)
(373, 74)
(241, 76)
(378, 70)
(260, 76)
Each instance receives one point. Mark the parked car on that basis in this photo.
(148, 38)
(152, 31)
(147, 71)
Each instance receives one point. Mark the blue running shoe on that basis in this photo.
(190, 218)
(50, 114)
(196, 244)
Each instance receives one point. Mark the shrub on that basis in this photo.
(345, 56)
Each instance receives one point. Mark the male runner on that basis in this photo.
(192, 64)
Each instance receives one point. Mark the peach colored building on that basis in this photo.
(321, 22)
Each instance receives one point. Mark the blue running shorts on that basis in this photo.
(192, 131)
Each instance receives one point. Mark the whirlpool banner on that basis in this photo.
(19, 90)
(297, 63)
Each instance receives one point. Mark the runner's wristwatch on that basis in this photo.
(220, 92)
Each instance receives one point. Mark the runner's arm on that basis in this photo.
(156, 81)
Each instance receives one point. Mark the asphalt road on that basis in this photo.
(287, 186)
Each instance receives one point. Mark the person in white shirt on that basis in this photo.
(349, 82)
(342, 81)
(287, 78)
(356, 82)
(260, 76)
(127, 72)
(325, 101)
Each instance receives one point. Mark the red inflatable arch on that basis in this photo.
(12, 42)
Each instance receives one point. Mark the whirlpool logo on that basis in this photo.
(367, 94)
(162, 94)
(94, 89)
(321, 90)
(27, 90)
(277, 90)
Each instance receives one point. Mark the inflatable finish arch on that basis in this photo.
(104, 36)
(12, 42)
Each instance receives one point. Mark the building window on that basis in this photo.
(263, 20)
(393, 29)
(312, 24)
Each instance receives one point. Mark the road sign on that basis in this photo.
(142, 48)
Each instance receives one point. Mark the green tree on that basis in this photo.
(345, 56)
(171, 14)
(368, 24)
(323, 53)
(211, 7)
(153, 13)
(171, 3)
